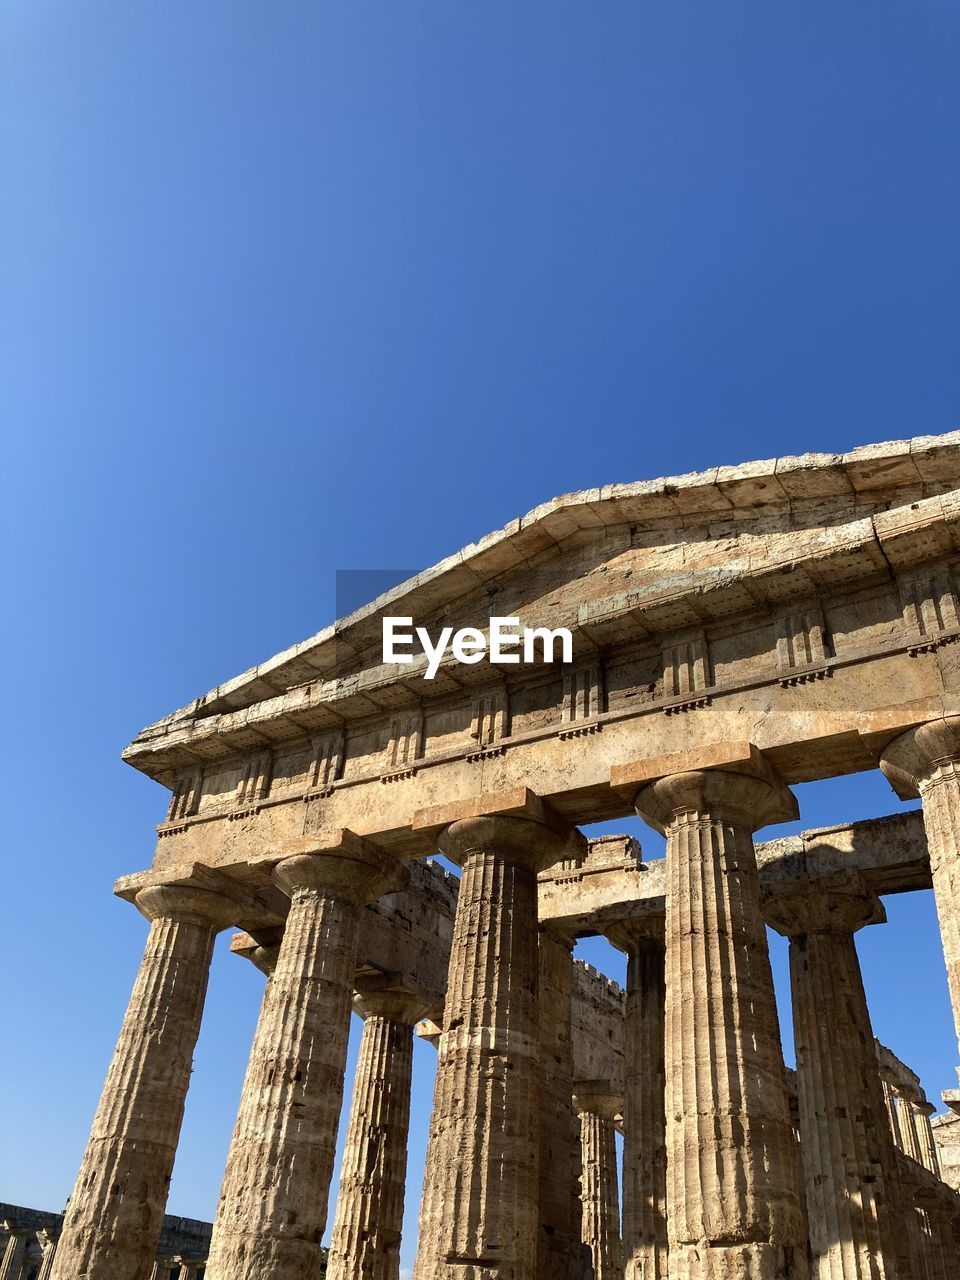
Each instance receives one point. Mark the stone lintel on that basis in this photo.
(260, 952)
(738, 757)
(15, 1217)
(889, 853)
(519, 802)
(335, 841)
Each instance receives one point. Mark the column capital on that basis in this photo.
(517, 825)
(185, 903)
(751, 800)
(598, 1098)
(384, 997)
(909, 760)
(731, 779)
(261, 948)
(558, 933)
(840, 904)
(642, 933)
(526, 841)
(430, 1029)
(352, 869)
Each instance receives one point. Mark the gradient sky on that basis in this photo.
(297, 287)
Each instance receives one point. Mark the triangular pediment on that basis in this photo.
(635, 563)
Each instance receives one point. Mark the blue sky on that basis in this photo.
(295, 288)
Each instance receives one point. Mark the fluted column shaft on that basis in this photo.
(926, 762)
(732, 1198)
(13, 1256)
(48, 1243)
(369, 1217)
(273, 1202)
(908, 1129)
(853, 1221)
(561, 1254)
(599, 1192)
(940, 792)
(115, 1215)
(478, 1215)
(926, 1141)
(644, 1119)
(890, 1101)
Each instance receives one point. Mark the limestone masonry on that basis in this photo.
(734, 633)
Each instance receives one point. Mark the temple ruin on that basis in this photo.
(735, 632)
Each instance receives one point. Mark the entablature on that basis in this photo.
(624, 565)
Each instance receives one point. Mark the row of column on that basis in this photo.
(177, 1268)
(909, 1120)
(718, 1199)
(26, 1252)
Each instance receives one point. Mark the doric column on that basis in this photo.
(890, 1102)
(478, 1215)
(561, 1254)
(14, 1254)
(926, 762)
(115, 1215)
(926, 1142)
(908, 1128)
(369, 1215)
(47, 1238)
(273, 1202)
(599, 1195)
(188, 1268)
(853, 1220)
(162, 1268)
(732, 1200)
(644, 1120)
(939, 1234)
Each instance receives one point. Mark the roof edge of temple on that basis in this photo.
(892, 464)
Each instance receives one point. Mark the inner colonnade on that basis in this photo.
(735, 632)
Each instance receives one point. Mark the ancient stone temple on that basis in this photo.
(29, 1239)
(734, 633)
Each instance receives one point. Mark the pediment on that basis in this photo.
(653, 563)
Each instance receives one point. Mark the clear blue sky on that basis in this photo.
(296, 287)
